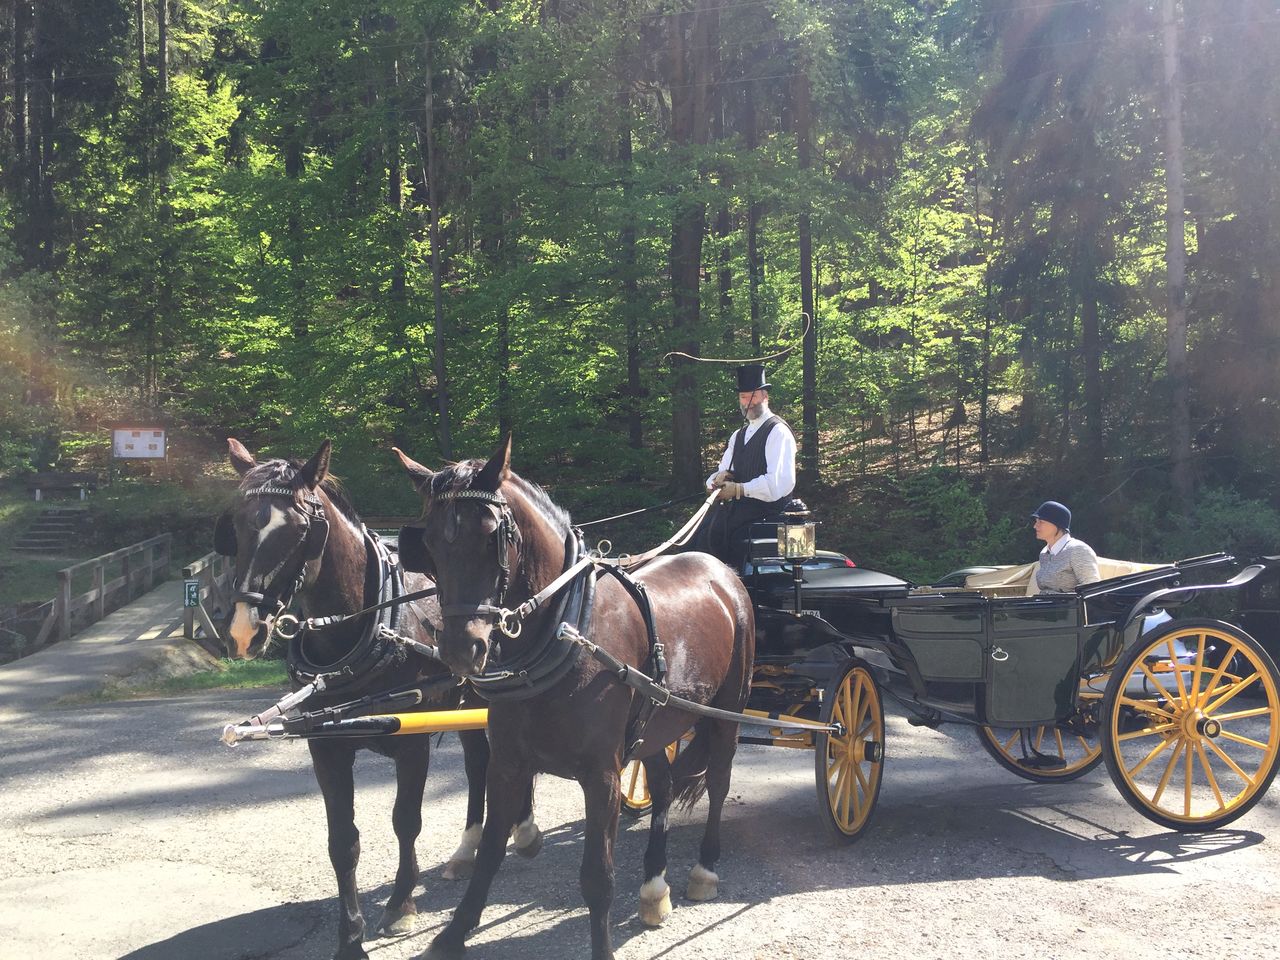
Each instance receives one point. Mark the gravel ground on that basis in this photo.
(126, 829)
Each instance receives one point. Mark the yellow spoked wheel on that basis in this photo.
(1191, 729)
(636, 801)
(1048, 753)
(848, 764)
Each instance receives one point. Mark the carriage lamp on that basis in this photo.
(796, 541)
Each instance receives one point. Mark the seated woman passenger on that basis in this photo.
(1065, 562)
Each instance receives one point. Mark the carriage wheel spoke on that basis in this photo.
(1186, 790)
(1146, 732)
(1163, 745)
(1177, 671)
(1235, 689)
(1168, 771)
(1208, 771)
(1146, 706)
(1244, 714)
(1156, 681)
(1212, 688)
(1232, 764)
(1236, 738)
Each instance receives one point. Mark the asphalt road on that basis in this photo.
(128, 830)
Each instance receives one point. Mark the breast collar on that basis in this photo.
(377, 649)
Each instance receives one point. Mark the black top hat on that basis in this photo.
(751, 377)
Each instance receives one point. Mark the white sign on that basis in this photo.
(141, 444)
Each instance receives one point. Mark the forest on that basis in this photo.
(1038, 242)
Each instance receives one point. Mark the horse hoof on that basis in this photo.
(443, 949)
(458, 869)
(397, 924)
(527, 839)
(655, 902)
(703, 884)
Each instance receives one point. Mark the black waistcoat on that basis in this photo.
(748, 457)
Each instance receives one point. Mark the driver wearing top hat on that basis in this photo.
(757, 472)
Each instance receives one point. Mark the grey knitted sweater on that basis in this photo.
(1072, 566)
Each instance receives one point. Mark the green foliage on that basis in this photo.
(939, 522)
(248, 252)
(127, 512)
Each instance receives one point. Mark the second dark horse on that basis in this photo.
(494, 540)
(295, 537)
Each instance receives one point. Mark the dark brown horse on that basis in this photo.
(295, 536)
(495, 540)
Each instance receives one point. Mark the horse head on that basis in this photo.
(276, 529)
(469, 541)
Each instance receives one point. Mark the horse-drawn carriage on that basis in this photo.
(1184, 712)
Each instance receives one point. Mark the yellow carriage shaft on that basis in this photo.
(398, 724)
(442, 721)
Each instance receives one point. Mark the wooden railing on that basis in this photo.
(213, 574)
(139, 565)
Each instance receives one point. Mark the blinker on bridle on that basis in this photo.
(507, 536)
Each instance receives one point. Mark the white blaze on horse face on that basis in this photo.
(244, 626)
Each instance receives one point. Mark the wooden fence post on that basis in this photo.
(100, 585)
(62, 604)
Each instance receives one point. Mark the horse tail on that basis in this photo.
(689, 771)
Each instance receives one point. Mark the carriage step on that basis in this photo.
(931, 719)
(1042, 762)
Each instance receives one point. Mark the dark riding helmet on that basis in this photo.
(1051, 511)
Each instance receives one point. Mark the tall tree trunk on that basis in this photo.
(809, 440)
(1176, 260)
(627, 240)
(691, 59)
(162, 46)
(21, 90)
(755, 272)
(437, 288)
(1091, 355)
(40, 140)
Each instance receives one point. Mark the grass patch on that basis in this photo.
(227, 675)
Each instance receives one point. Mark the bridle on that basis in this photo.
(310, 545)
(507, 537)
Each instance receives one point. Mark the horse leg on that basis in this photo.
(602, 794)
(507, 790)
(526, 837)
(475, 760)
(655, 894)
(412, 760)
(723, 744)
(333, 764)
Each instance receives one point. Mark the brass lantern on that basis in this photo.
(797, 541)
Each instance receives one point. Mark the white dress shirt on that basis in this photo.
(779, 455)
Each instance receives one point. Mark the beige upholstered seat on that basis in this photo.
(1020, 581)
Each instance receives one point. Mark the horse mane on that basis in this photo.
(460, 476)
(284, 472)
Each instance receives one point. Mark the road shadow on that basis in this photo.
(260, 933)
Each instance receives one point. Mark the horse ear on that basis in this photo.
(317, 468)
(419, 474)
(241, 458)
(497, 469)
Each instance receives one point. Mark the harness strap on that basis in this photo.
(663, 697)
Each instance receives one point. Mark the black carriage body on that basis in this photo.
(1002, 661)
